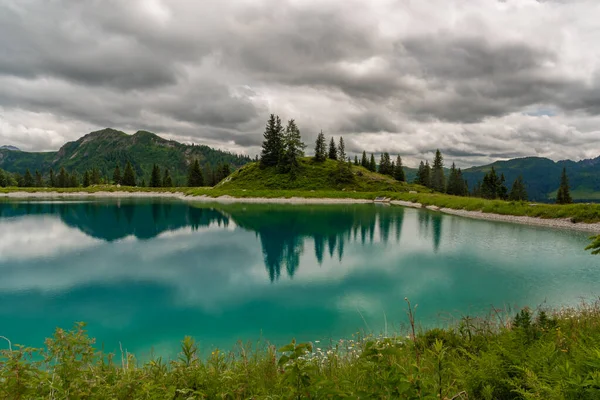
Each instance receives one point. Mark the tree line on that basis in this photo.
(128, 177)
(283, 147)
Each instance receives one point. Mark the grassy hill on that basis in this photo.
(313, 176)
(106, 148)
(542, 176)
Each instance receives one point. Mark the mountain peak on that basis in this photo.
(11, 148)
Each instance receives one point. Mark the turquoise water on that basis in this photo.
(147, 273)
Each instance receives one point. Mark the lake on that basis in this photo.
(145, 273)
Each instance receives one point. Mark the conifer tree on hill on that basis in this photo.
(356, 160)
(272, 147)
(320, 148)
(372, 164)
(342, 150)
(293, 147)
(333, 155)
(399, 170)
(363, 161)
(86, 179)
(438, 181)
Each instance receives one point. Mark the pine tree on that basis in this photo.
(342, 150)
(95, 176)
(363, 161)
(117, 175)
(73, 180)
(424, 174)
(143, 184)
(563, 196)
(272, 147)
(356, 160)
(128, 176)
(63, 179)
(195, 178)
(399, 170)
(438, 181)
(518, 191)
(3, 180)
(155, 180)
(502, 189)
(385, 164)
(52, 179)
(167, 181)
(38, 179)
(86, 179)
(372, 164)
(28, 179)
(293, 147)
(320, 148)
(453, 182)
(332, 150)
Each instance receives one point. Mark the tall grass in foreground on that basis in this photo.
(535, 355)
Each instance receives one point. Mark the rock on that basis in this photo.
(412, 192)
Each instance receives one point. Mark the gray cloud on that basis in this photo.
(392, 76)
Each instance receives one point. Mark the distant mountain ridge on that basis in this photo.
(106, 148)
(9, 147)
(542, 176)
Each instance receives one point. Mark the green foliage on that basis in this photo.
(385, 165)
(518, 191)
(399, 170)
(293, 148)
(424, 174)
(534, 355)
(273, 144)
(167, 180)
(563, 196)
(372, 165)
(28, 179)
(103, 150)
(86, 179)
(155, 180)
(195, 177)
(342, 150)
(333, 152)
(438, 180)
(363, 161)
(312, 175)
(456, 184)
(320, 148)
(117, 175)
(128, 175)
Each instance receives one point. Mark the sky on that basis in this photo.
(481, 80)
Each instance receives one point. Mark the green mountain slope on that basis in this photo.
(542, 175)
(313, 176)
(106, 148)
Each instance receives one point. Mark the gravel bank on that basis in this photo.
(550, 223)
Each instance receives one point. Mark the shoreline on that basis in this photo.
(556, 223)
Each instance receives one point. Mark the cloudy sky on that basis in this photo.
(480, 79)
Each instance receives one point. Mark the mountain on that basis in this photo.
(542, 176)
(11, 148)
(106, 148)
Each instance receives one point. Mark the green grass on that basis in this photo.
(586, 213)
(541, 355)
(313, 175)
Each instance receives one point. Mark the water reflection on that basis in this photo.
(149, 272)
(282, 230)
